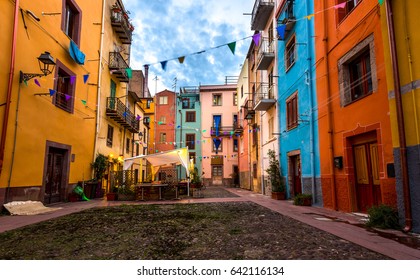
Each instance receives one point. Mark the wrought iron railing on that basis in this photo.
(118, 111)
(264, 91)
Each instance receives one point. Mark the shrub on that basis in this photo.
(302, 199)
(384, 217)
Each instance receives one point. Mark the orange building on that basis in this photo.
(356, 150)
(165, 119)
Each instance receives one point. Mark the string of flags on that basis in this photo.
(281, 30)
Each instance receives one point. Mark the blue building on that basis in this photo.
(188, 125)
(299, 145)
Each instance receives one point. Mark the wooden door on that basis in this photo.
(367, 176)
(54, 177)
(295, 174)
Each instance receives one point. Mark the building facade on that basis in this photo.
(219, 144)
(352, 103)
(48, 118)
(298, 129)
(399, 19)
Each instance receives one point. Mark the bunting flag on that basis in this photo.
(256, 39)
(37, 83)
(281, 30)
(340, 6)
(181, 59)
(217, 143)
(84, 102)
(52, 92)
(163, 64)
(309, 17)
(85, 78)
(125, 114)
(232, 47)
(67, 97)
(138, 118)
(25, 82)
(381, 2)
(129, 73)
(72, 79)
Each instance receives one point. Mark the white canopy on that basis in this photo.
(178, 156)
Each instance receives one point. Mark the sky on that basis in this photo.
(168, 29)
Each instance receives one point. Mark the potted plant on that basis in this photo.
(112, 195)
(278, 190)
(302, 199)
(126, 193)
(99, 167)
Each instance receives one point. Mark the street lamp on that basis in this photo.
(46, 65)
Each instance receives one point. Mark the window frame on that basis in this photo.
(71, 88)
(292, 111)
(219, 101)
(163, 100)
(110, 136)
(290, 46)
(342, 14)
(162, 137)
(77, 20)
(190, 116)
(190, 141)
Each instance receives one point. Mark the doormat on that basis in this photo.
(25, 208)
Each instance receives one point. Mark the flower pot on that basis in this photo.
(278, 195)
(111, 196)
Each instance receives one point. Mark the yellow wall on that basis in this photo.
(39, 120)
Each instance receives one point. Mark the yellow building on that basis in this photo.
(47, 121)
(119, 113)
(402, 61)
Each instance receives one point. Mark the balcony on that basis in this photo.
(118, 66)
(266, 54)
(117, 111)
(237, 128)
(122, 27)
(224, 131)
(287, 18)
(264, 97)
(146, 122)
(261, 13)
(249, 111)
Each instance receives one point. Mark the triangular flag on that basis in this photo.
(37, 83)
(85, 78)
(310, 16)
(67, 97)
(52, 92)
(84, 102)
(26, 82)
(163, 64)
(281, 30)
(125, 114)
(138, 117)
(256, 39)
(129, 73)
(72, 79)
(232, 47)
(181, 59)
(340, 6)
(381, 2)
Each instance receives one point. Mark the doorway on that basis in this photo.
(366, 165)
(295, 174)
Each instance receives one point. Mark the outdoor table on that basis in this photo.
(149, 185)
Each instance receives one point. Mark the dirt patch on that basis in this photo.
(236, 230)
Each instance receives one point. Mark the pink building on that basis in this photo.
(219, 124)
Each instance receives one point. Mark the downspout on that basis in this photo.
(9, 88)
(311, 102)
(400, 116)
(329, 110)
(98, 95)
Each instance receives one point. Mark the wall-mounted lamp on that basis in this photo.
(46, 65)
(140, 136)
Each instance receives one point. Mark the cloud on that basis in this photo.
(168, 29)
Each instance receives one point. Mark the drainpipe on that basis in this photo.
(311, 125)
(98, 108)
(329, 110)
(9, 87)
(400, 116)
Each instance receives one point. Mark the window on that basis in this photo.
(290, 55)
(242, 91)
(217, 99)
(357, 72)
(348, 8)
(137, 149)
(109, 136)
(71, 20)
(127, 145)
(235, 99)
(162, 137)
(149, 101)
(270, 127)
(163, 100)
(185, 103)
(220, 148)
(64, 97)
(235, 145)
(190, 138)
(163, 120)
(292, 111)
(190, 116)
(146, 120)
(217, 170)
(254, 170)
